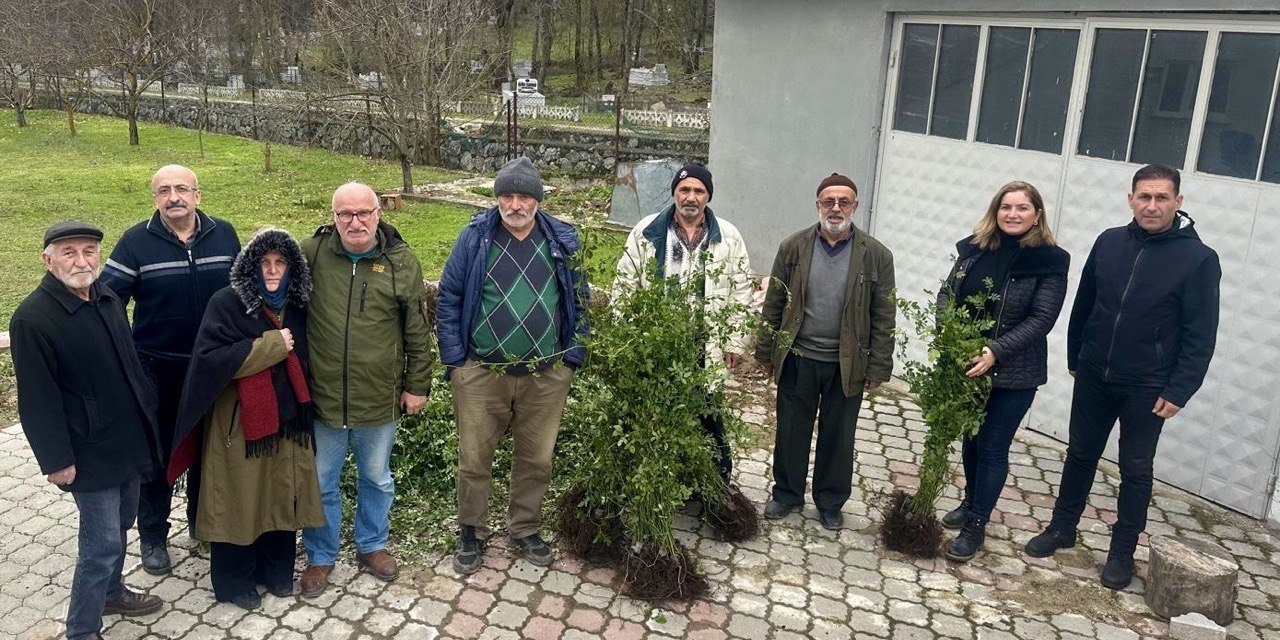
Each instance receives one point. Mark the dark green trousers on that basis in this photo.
(809, 389)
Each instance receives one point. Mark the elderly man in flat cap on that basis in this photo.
(88, 411)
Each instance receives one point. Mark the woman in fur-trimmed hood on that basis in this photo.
(246, 408)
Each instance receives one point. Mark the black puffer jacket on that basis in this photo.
(1030, 300)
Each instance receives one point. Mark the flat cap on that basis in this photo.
(71, 229)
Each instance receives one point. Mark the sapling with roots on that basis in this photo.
(647, 451)
(953, 405)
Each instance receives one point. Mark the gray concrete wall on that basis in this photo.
(798, 91)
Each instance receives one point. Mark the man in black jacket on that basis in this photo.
(1141, 336)
(170, 265)
(88, 411)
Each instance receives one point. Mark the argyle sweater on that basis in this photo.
(516, 323)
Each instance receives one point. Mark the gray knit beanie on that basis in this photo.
(519, 176)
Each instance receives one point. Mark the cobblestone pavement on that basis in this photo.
(796, 580)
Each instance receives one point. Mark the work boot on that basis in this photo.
(380, 563)
(967, 544)
(155, 559)
(1118, 572)
(535, 549)
(470, 551)
(775, 510)
(1045, 544)
(132, 603)
(955, 518)
(314, 579)
(248, 600)
(831, 519)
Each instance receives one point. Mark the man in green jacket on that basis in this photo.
(828, 335)
(370, 361)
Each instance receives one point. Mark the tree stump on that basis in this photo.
(1191, 576)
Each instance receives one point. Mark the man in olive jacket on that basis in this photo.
(828, 335)
(370, 360)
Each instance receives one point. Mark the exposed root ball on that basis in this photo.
(733, 517)
(652, 575)
(579, 534)
(906, 531)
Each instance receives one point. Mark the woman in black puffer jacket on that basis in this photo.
(1012, 247)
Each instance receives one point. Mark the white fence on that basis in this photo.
(684, 119)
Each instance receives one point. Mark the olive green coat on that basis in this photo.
(866, 323)
(367, 329)
(242, 498)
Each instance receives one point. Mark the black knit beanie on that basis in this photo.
(694, 170)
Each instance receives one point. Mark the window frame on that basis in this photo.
(1088, 25)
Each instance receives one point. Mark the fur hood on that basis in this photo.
(244, 269)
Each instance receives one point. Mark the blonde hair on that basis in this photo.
(987, 233)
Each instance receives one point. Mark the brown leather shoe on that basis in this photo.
(132, 603)
(379, 563)
(315, 579)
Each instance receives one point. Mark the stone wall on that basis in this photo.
(576, 153)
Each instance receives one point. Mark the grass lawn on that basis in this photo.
(47, 175)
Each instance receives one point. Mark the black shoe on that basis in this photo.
(831, 519)
(155, 559)
(775, 510)
(969, 542)
(1119, 570)
(535, 549)
(1043, 545)
(132, 603)
(470, 551)
(282, 590)
(248, 601)
(955, 518)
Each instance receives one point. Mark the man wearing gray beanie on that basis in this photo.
(510, 306)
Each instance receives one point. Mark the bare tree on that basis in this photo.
(389, 65)
(139, 42)
(20, 53)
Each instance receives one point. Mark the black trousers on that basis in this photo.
(714, 425)
(810, 388)
(237, 569)
(155, 496)
(1095, 407)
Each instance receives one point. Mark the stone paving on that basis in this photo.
(796, 580)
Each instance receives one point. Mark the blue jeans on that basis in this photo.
(986, 455)
(105, 518)
(374, 490)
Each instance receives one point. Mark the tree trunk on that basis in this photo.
(579, 79)
(266, 156)
(71, 118)
(548, 36)
(131, 108)
(19, 108)
(406, 172)
(639, 35)
(700, 37)
(533, 46)
(599, 48)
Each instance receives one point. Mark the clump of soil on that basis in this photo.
(907, 531)
(734, 517)
(596, 539)
(652, 575)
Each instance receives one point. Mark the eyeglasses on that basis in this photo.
(364, 215)
(830, 203)
(181, 189)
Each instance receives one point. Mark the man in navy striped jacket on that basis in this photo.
(169, 265)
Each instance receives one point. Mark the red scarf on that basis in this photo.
(259, 414)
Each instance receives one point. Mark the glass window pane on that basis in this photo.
(1053, 63)
(915, 77)
(1242, 85)
(1002, 84)
(1113, 83)
(1168, 95)
(954, 91)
